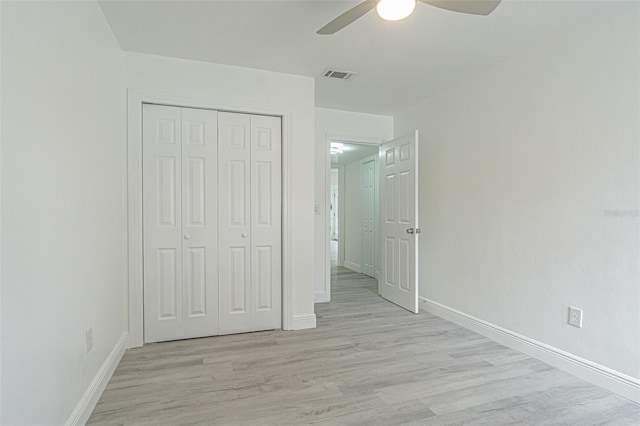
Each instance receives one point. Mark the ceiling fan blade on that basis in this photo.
(474, 7)
(348, 17)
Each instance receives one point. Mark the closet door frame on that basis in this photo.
(135, 100)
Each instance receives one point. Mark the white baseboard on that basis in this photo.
(83, 410)
(320, 297)
(353, 266)
(302, 322)
(619, 383)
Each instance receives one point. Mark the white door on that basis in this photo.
(249, 173)
(368, 217)
(399, 221)
(180, 223)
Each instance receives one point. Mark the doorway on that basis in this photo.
(353, 244)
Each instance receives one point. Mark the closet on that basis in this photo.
(212, 222)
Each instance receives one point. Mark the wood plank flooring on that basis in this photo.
(369, 362)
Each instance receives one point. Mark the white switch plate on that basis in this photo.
(575, 317)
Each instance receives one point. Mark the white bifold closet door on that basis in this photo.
(180, 223)
(249, 172)
(212, 223)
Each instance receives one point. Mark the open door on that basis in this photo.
(399, 229)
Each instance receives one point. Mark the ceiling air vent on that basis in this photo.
(339, 74)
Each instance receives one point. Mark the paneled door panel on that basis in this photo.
(399, 224)
(167, 284)
(234, 176)
(250, 224)
(162, 181)
(180, 222)
(195, 274)
(237, 280)
(200, 221)
(266, 247)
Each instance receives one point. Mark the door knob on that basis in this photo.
(410, 231)
(244, 235)
(187, 236)
(418, 230)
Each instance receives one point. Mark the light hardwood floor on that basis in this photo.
(369, 362)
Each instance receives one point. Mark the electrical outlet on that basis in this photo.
(575, 317)
(88, 337)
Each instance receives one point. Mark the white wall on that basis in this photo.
(529, 192)
(354, 126)
(252, 88)
(352, 232)
(63, 230)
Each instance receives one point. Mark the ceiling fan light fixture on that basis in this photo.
(395, 10)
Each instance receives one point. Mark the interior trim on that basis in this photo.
(615, 381)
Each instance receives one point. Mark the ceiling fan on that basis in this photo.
(395, 10)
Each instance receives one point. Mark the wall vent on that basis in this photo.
(339, 74)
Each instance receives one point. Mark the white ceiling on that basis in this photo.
(353, 152)
(398, 63)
